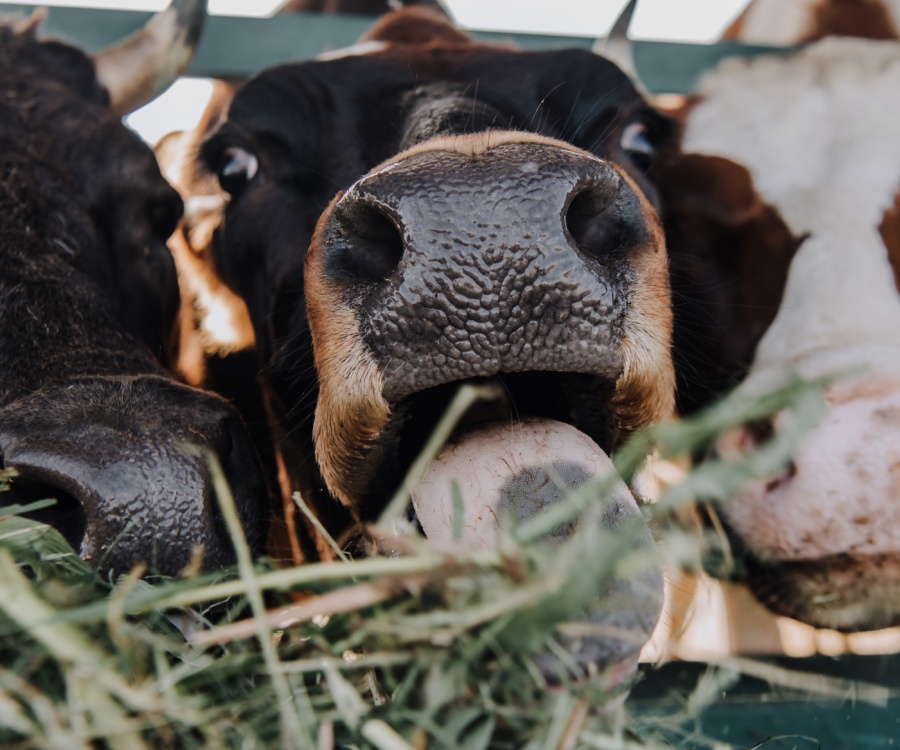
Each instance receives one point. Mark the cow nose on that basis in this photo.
(513, 258)
(512, 196)
(137, 488)
(589, 216)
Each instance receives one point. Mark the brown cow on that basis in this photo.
(818, 131)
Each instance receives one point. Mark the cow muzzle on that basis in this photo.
(127, 461)
(821, 541)
(501, 257)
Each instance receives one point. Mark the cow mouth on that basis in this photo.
(582, 401)
(845, 592)
(509, 459)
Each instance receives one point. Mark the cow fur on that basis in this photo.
(789, 22)
(818, 133)
(88, 414)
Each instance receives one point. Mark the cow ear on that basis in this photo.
(711, 187)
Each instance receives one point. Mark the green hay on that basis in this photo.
(432, 649)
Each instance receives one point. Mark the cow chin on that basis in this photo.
(402, 312)
(846, 592)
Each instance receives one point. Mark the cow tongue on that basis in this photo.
(511, 472)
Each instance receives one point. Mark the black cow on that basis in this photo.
(88, 294)
(494, 222)
(296, 133)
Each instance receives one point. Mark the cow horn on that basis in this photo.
(29, 26)
(139, 68)
(618, 47)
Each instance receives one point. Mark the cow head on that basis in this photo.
(495, 219)
(87, 289)
(494, 222)
(822, 541)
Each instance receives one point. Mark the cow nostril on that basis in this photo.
(590, 221)
(374, 245)
(66, 516)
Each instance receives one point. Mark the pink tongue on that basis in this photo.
(512, 472)
(509, 473)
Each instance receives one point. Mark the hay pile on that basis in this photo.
(432, 649)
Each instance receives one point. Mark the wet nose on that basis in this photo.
(512, 195)
(511, 259)
(131, 474)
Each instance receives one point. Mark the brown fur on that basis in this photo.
(193, 247)
(352, 411)
(352, 7)
(646, 390)
(420, 26)
(890, 234)
(868, 19)
(734, 251)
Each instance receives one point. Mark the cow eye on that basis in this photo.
(636, 143)
(238, 167)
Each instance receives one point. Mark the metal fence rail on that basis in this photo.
(238, 47)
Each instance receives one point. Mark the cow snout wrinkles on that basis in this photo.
(502, 261)
(131, 486)
(470, 257)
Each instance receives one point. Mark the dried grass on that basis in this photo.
(431, 649)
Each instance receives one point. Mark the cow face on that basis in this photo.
(822, 541)
(87, 413)
(494, 223)
(496, 220)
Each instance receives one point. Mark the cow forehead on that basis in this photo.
(366, 87)
(809, 128)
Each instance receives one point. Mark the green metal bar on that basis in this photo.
(238, 47)
(752, 713)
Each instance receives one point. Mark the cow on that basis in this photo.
(88, 296)
(364, 331)
(817, 130)
(466, 244)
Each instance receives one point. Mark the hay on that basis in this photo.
(432, 649)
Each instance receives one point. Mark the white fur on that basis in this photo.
(820, 133)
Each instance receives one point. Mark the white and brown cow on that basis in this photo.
(820, 133)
